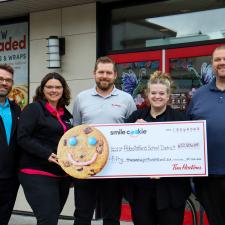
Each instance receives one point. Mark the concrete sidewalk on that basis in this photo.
(29, 220)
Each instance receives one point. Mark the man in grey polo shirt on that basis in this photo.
(102, 104)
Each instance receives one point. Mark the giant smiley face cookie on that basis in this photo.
(82, 151)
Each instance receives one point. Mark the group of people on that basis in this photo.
(29, 142)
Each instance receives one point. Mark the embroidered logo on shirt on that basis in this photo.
(116, 105)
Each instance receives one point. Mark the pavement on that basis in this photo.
(30, 220)
(22, 212)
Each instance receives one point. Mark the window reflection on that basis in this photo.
(133, 77)
(189, 27)
(188, 74)
(167, 22)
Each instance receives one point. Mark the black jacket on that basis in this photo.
(9, 153)
(169, 191)
(169, 115)
(38, 135)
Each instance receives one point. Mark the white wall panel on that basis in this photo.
(45, 23)
(79, 59)
(77, 86)
(79, 19)
(38, 60)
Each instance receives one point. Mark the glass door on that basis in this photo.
(189, 68)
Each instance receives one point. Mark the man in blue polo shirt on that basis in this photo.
(208, 103)
(9, 114)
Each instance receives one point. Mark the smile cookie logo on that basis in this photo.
(133, 133)
(136, 132)
(83, 151)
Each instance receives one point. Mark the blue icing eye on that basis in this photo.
(72, 141)
(92, 141)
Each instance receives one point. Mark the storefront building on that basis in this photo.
(175, 36)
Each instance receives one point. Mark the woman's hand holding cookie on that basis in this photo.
(53, 158)
(140, 121)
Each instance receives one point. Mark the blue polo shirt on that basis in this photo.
(208, 103)
(6, 116)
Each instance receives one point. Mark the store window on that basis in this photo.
(14, 50)
(188, 74)
(167, 22)
(189, 68)
(133, 78)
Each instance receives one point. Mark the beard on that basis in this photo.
(4, 91)
(104, 84)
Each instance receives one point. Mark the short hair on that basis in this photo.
(66, 96)
(104, 60)
(158, 77)
(7, 67)
(221, 47)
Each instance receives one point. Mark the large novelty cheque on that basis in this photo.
(164, 149)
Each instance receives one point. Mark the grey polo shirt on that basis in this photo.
(92, 108)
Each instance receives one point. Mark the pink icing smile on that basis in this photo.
(78, 163)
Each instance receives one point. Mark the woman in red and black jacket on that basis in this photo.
(41, 125)
(158, 201)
